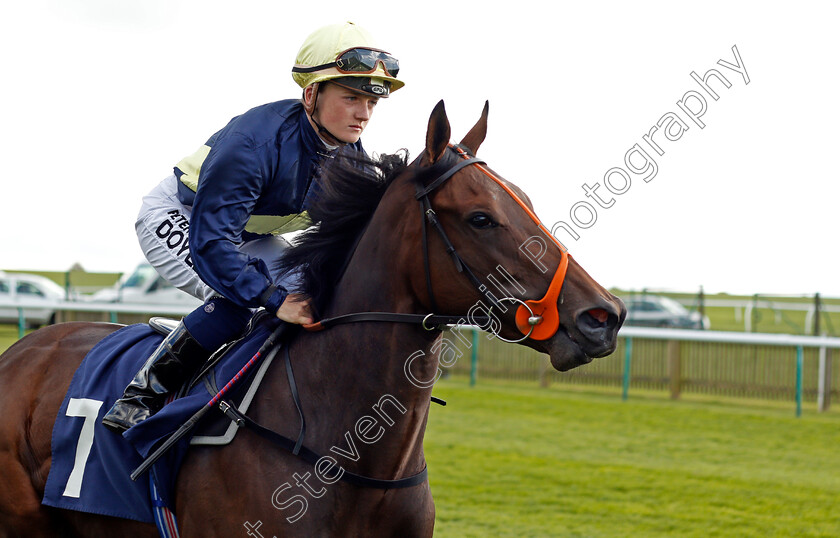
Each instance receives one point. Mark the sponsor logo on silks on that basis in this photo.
(175, 234)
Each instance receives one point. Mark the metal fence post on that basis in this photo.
(674, 368)
(827, 399)
(625, 382)
(474, 358)
(817, 308)
(21, 323)
(821, 382)
(799, 361)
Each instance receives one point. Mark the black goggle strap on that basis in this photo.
(297, 69)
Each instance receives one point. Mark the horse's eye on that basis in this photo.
(481, 221)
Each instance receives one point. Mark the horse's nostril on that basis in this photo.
(599, 314)
(596, 324)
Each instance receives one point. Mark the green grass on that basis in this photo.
(767, 320)
(507, 459)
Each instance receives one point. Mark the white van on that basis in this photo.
(32, 289)
(145, 286)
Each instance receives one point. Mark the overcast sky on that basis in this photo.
(102, 97)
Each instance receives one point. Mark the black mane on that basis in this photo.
(351, 186)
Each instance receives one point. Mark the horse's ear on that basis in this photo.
(476, 135)
(437, 137)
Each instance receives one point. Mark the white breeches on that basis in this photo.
(163, 230)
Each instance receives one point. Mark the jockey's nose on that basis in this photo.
(363, 110)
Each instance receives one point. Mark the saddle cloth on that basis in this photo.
(91, 466)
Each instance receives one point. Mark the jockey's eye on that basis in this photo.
(481, 221)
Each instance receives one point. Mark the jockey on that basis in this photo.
(212, 228)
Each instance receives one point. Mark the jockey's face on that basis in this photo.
(343, 112)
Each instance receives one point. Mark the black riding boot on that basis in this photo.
(173, 362)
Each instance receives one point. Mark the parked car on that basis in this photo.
(145, 286)
(21, 287)
(658, 311)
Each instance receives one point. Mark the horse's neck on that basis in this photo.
(358, 399)
(353, 386)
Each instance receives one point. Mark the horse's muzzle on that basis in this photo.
(599, 326)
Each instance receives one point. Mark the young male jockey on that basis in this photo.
(251, 181)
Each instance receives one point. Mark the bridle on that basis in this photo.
(537, 319)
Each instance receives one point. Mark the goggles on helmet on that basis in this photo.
(358, 61)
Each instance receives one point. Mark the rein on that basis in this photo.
(429, 322)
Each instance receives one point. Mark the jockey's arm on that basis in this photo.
(229, 189)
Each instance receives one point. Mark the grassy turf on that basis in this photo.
(511, 460)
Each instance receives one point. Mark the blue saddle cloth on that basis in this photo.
(91, 466)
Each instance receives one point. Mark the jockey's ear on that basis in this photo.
(437, 137)
(309, 95)
(476, 135)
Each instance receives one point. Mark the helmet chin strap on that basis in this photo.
(322, 131)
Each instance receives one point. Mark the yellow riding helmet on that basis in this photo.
(345, 54)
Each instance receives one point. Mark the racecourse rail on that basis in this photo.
(755, 365)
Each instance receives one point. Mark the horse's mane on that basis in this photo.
(351, 186)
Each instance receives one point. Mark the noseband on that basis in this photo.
(537, 319)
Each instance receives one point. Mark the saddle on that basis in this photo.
(218, 429)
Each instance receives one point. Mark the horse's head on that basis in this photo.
(447, 235)
(505, 265)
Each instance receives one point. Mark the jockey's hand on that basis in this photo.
(296, 309)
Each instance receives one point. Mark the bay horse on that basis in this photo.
(365, 387)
